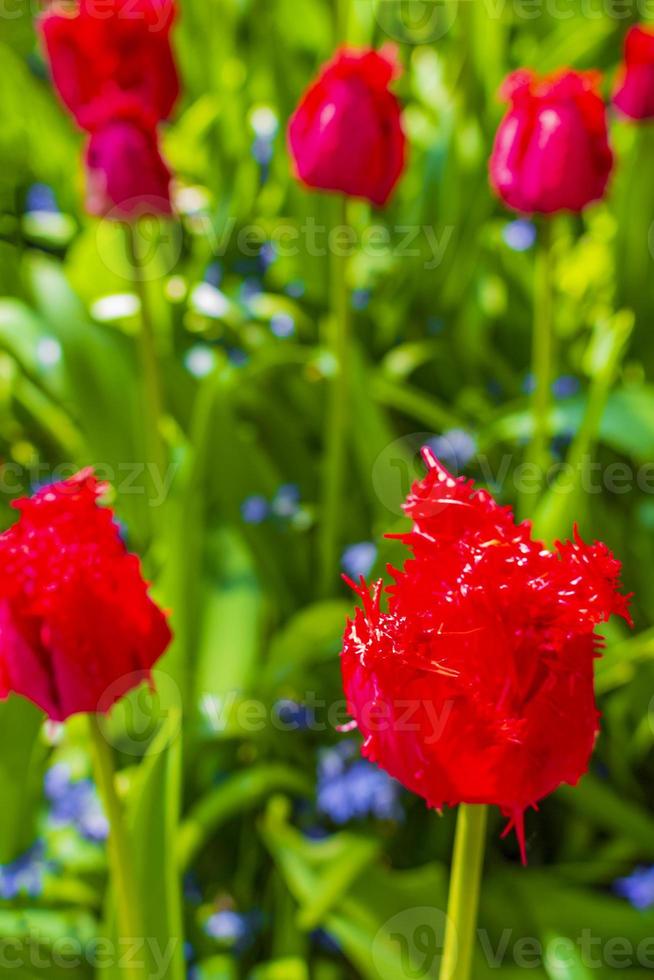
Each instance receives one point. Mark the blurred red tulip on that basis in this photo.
(346, 134)
(112, 62)
(634, 94)
(551, 151)
(126, 175)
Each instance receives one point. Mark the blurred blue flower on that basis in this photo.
(286, 501)
(40, 197)
(519, 235)
(566, 386)
(638, 887)
(360, 298)
(233, 929)
(296, 288)
(200, 360)
(227, 926)
(455, 448)
(262, 150)
(282, 325)
(25, 875)
(293, 715)
(75, 803)
(255, 509)
(351, 788)
(250, 289)
(267, 255)
(358, 559)
(214, 274)
(237, 356)
(324, 941)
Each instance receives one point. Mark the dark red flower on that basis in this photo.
(77, 627)
(113, 67)
(634, 94)
(346, 134)
(126, 174)
(476, 684)
(551, 151)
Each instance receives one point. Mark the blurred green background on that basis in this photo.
(296, 859)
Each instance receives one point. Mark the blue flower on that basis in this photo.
(214, 274)
(358, 559)
(455, 448)
(282, 325)
(360, 298)
(25, 875)
(638, 887)
(287, 500)
(40, 197)
(75, 803)
(296, 288)
(519, 235)
(351, 788)
(232, 929)
(566, 386)
(255, 509)
(293, 715)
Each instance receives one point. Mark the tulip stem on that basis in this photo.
(463, 902)
(336, 421)
(121, 860)
(152, 397)
(538, 452)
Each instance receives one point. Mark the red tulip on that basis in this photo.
(126, 175)
(476, 684)
(77, 627)
(346, 134)
(634, 94)
(108, 47)
(113, 67)
(551, 151)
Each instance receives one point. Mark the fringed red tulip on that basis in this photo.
(78, 629)
(475, 684)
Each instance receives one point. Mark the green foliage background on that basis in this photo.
(438, 346)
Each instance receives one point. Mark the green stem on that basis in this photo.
(337, 416)
(463, 902)
(538, 452)
(152, 396)
(121, 860)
